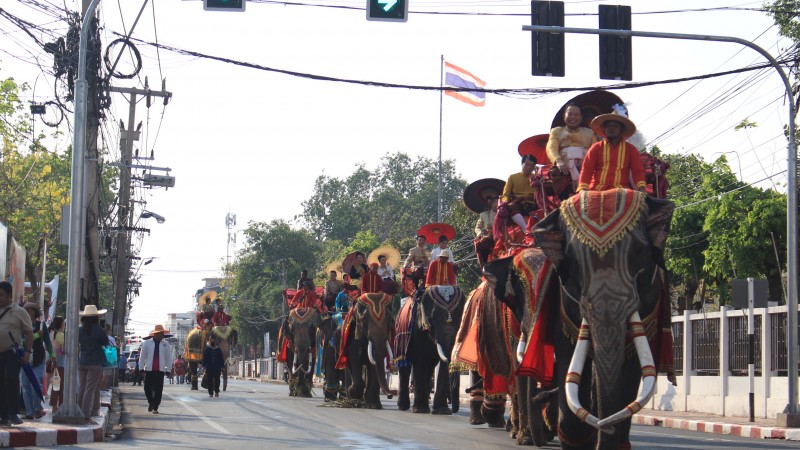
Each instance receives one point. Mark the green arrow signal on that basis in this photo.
(387, 4)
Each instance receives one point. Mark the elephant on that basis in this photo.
(436, 315)
(194, 345)
(365, 336)
(329, 335)
(227, 338)
(513, 281)
(301, 331)
(607, 249)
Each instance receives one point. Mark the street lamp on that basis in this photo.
(148, 214)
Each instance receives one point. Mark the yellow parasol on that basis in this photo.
(337, 266)
(391, 254)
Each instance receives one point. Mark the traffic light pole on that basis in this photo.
(792, 410)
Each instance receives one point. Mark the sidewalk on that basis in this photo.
(707, 423)
(44, 433)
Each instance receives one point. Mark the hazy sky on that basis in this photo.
(252, 142)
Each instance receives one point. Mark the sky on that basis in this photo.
(251, 142)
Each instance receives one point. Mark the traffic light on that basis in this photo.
(615, 51)
(548, 48)
(387, 10)
(223, 5)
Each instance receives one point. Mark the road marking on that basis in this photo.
(205, 419)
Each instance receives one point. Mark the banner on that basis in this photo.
(16, 271)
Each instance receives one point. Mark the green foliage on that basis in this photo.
(34, 184)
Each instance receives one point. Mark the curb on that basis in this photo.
(48, 434)
(749, 431)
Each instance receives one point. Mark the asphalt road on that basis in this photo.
(262, 415)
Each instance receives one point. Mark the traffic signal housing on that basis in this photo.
(615, 51)
(224, 5)
(387, 10)
(548, 48)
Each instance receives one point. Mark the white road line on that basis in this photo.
(205, 419)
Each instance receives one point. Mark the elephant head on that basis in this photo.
(608, 251)
(302, 330)
(441, 308)
(374, 318)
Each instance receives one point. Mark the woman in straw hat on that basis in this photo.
(612, 162)
(91, 340)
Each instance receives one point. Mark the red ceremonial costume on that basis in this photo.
(221, 319)
(440, 273)
(609, 166)
(307, 299)
(371, 282)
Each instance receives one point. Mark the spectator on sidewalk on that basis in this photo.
(91, 340)
(41, 348)
(156, 361)
(179, 366)
(57, 329)
(14, 323)
(122, 368)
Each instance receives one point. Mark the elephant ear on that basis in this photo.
(659, 220)
(550, 237)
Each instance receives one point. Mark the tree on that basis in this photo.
(34, 183)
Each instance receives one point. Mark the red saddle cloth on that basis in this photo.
(600, 219)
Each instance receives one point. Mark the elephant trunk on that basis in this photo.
(380, 369)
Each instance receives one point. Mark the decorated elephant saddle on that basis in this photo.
(376, 303)
(600, 219)
(445, 297)
(301, 315)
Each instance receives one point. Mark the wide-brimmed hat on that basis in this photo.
(159, 329)
(392, 255)
(599, 122)
(91, 310)
(334, 267)
(31, 305)
(446, 253)
(592, 103)
(535, 146)
(480, 192)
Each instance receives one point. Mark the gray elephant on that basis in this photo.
(301, 331)
(611, 328)
(435, 319)
(365, 337)
(329, 336)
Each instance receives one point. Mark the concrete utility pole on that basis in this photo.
(123, 263)
(70, 412)
(791, 414)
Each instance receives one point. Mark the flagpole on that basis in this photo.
(441, 95)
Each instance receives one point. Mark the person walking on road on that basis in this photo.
(212, 363)
(155, 360)
(91, 340)
(179, 366)
(14, 322)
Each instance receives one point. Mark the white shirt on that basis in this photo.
(436, 252)
(388, 272)
(164, 356)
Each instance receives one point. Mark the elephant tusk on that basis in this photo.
(648, 373)
(573, 381)
(296, 369)
(310, 362)
(441, 352)
(521, 350)
(389, 351)
(369, 353)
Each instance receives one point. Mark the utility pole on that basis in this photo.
(124, 207)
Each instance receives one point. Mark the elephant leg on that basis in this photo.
(523, 411)
(356, 389)
(372, 394)
(403, 398)
(422, 386)
(225, 377)
(455, 387)
(193, 371)
(543, 414)
(493, 410)
(475, 399)
(442, 391)
(512, 426)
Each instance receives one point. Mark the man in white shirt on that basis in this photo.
(155, 360)
(443, 242)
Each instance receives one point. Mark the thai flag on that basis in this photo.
(457, 77)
